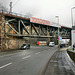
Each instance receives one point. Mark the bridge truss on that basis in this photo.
(19, 26)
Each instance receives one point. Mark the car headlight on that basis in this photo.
(24, 47)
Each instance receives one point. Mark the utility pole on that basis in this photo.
(10, 8)
(73, 26)
(58, 33)
(72, 15)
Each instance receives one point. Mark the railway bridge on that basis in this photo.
(16, 29)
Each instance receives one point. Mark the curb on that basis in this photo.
(43, 70)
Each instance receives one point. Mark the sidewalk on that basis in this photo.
(60, 64)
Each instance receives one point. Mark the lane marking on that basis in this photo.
(37, 53)
(5, 65)
(26, 57)
(10, 54)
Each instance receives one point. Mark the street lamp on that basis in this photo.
(58, 33)
(10, 7)
(72, 15)
(72, 26)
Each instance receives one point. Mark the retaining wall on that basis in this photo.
(16, 43)
(71, 54)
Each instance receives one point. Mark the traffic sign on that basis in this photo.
(60, 38)
(59, 26)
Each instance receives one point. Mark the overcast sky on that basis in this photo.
(44, 9)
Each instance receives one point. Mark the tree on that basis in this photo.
(3, 7)
(28, 15)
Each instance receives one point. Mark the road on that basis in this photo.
(25, 62)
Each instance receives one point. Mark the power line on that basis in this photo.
(16, 3)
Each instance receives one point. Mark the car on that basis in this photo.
(62, 45)
(51, 44)
(25, 46)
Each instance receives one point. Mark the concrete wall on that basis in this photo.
(13, 44)
(16, 43)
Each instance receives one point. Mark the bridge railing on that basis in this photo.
(12, 13)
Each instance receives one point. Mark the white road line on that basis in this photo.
(26, 57)
(37, 53)
(9, 54)
(5, 65)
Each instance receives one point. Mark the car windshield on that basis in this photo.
(23, 45)
(51, 42)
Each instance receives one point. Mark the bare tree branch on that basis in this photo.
(3, 7)
(28, 15)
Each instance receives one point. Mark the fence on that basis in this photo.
(16, 14)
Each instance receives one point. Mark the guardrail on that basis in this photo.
(71, 54)
(12, 13)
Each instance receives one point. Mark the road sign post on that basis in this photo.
(58, 33)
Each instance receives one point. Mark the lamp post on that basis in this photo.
(73, 29)
(10, 7)
(58, 32)
(72, 15)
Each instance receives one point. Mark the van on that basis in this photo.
(51, 44)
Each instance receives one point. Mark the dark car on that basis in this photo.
(25, 46)
(62, 45)
(73, 46)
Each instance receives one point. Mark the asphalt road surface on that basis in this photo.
(25, 62)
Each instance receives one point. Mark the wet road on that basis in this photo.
(25, 62)
(60, 64)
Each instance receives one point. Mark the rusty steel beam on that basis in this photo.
(30, 29)
(24, 27)
(10, 20)
(21, 35)
(35, 29)
(19, 26)
(12, 28)
(42, 30)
